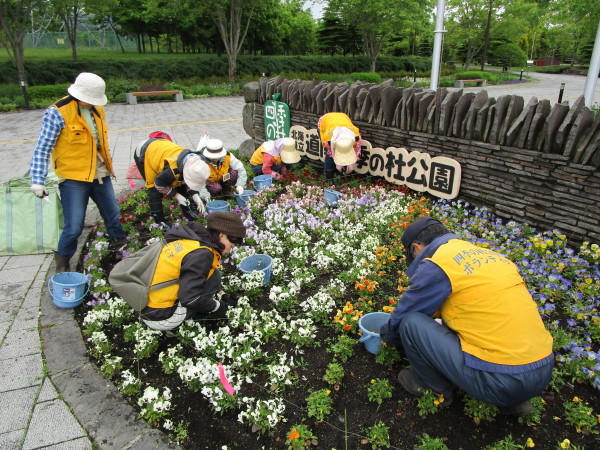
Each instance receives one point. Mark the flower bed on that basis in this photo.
(290, 350)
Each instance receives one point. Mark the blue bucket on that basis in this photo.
(262, 181)
(217, 205)
(68, 289)
(370, 324)
(332, 197)
(257, 262)
(243, 198)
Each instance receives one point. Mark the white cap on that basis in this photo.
(89, 88)
(214, 149)
(289, 154)
(195, 172)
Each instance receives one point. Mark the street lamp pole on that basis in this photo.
(437, 45)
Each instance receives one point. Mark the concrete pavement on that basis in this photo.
(50, 394)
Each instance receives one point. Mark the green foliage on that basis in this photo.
(508, 55)
(429, 443)
(479, 411)
(504, 444)
(535, 416)
(367, 77)
(319, 404)
(343, 349)
(379, 435)
(474, 75)
(579, 414)
(387, 355)
(334, 374)
(379, 390)
(299, 437)
(430, 403)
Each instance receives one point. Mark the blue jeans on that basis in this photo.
(258, 169)
(74, 196)
(437, 360)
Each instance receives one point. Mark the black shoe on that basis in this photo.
(117, 243)
(520, 410)
(188, 213)
(407, 379)
(61, 263)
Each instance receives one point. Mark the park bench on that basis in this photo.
(132, 96)
(461, 83)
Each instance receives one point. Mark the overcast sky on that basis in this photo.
(316, 7)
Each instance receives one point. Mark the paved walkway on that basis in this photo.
(50, 394)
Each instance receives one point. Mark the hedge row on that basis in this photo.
(204, 66)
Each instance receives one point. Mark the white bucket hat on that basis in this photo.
(343, 152)
(289, 154)
(195, 172)
(214, 149)
(89, 88)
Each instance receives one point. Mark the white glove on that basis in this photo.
(182, 200)
(199, 203)
(39, 190)
(239, 189)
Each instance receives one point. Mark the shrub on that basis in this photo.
(367, 77)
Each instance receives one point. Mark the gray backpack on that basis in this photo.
(131, 278)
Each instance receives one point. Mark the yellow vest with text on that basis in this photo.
(258, 157)
(490, 308)
(74, 155)
(216, 173)
(331, 121)
(168, 269)
(159, 153)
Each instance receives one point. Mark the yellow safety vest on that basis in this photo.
(168, 269)
(331, 121)
(490, 308)
(159, 153)
(74, 155)
(258, 157)
(216, 173)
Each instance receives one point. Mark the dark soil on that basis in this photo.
(353, 412)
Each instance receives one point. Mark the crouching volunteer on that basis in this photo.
(172, 171)
(226, 171)
(274, 157)
(342, 141)
(491, 343)
(193, 255)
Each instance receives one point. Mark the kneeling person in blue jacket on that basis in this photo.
(192, 255)
(492, 343)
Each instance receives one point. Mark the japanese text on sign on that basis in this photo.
(277, 120)
(438, 175)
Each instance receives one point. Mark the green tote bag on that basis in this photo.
(29, 225)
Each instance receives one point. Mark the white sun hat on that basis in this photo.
(89, 88)
(289, 154)
(214, 149)
(195, 172)
(343, 152)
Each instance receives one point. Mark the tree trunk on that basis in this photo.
(486, 39)
(112, 26)
(232, 62)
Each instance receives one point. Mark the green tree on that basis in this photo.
(335, 35)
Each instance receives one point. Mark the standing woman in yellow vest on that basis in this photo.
(75, 135)
(172, 171)
(192, 257)
(491, 343)
(342, 142)
(273, 157)
(226, 171)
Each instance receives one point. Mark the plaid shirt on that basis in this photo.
(52, 125)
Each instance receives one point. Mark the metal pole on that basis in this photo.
(560, 93)
(437, 45)
(592, 76)
(521, 77)
(24, 90)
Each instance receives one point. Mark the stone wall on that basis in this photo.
(530, 162)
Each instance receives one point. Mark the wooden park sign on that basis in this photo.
(437, 175)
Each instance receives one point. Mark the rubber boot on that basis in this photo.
(329, 175)
(61, 263)
(159, 217)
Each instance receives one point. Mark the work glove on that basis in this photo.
(220, 312)
(199, 203)
(275, 175)
(182, 200)
(188, 213)
(39, 190)
(231, 300)
(239, 189)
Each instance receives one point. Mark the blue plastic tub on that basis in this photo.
(68, 289)
(332, 197)
(262, 181)
(370, 324)
(217, 205)
(243, 198)
(257, 262)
